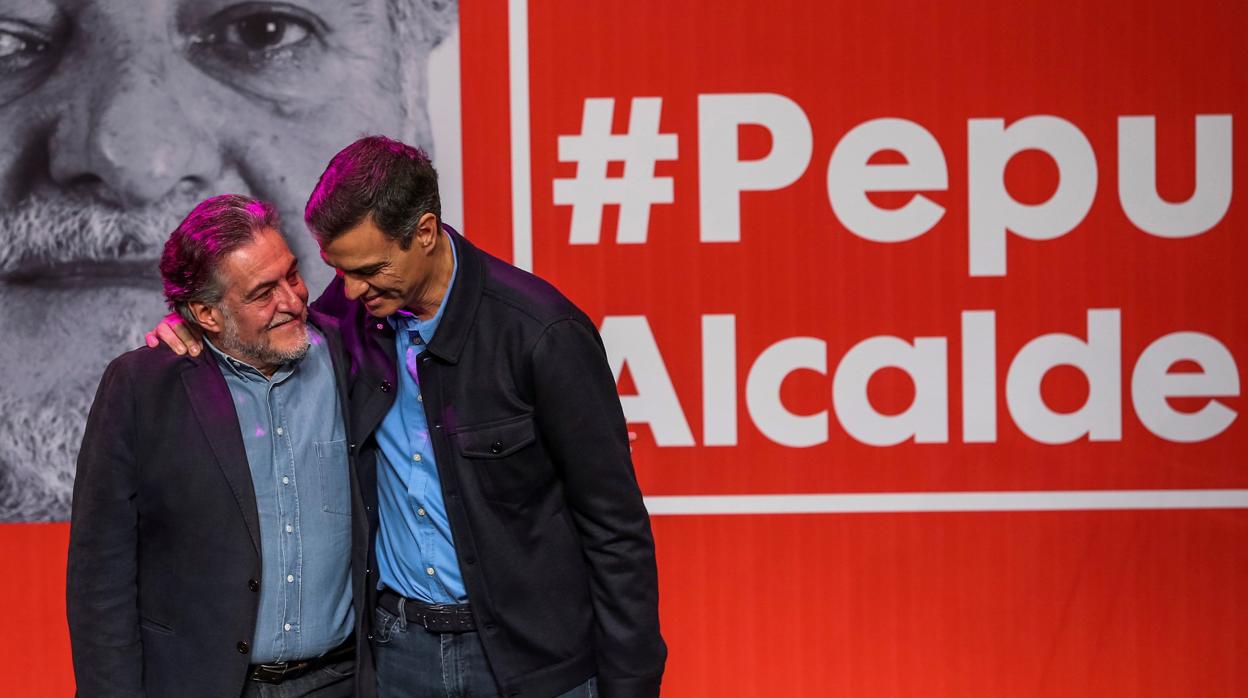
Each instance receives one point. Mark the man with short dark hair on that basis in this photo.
(513, 552)
(212, 527)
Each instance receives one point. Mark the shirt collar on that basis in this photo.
(246, 371)
(404, 320)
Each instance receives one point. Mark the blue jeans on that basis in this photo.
(330, 681)
(415, 663)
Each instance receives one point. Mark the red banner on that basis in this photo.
(925, 314)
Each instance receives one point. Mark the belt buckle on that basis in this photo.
(270, 673)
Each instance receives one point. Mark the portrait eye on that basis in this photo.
(18, 47)
(265, 32)
(252, 36)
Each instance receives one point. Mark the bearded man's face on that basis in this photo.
(116, 117)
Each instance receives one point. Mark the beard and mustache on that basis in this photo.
(66, 235)
(50, 250)
(261, 352)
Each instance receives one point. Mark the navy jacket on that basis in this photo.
(164, 542)
(550, 530)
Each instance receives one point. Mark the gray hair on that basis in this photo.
(193, 253)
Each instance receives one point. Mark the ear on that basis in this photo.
(427, 231)
(207, 316)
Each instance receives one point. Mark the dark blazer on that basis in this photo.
(550, 530)
(164, 546)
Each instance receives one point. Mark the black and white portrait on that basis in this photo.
(117, 116)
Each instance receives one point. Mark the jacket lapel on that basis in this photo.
(214, 408)
(376, 385)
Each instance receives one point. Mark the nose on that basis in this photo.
(132, 141)
(354, 288)
(289, 299)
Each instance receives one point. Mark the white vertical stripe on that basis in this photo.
(902, 502)
(446, 125)
(521, 172)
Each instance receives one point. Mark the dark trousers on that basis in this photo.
(330, 681)
(415, 663)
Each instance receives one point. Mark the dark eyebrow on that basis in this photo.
(366, 269)
(363, 269)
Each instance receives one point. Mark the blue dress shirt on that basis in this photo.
(415, 550)
(297, 452)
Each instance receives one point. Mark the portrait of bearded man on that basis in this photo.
(116, 117)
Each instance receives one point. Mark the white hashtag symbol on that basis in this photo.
(636, 191)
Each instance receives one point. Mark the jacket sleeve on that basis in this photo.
(581, 423)
(102, 586)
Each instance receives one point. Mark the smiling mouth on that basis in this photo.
(137, 273)
(283, 323)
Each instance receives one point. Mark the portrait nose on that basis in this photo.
(133, 142)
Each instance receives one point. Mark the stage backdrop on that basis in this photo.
(928, 317)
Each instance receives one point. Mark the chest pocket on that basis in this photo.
(504, 458)
(331, 465)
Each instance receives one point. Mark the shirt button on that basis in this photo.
(243, 648)
(285, 480)
(289, 528)
(420, 398)
(279, 431)
(286, 627)
(420, 511)
(380, 326)
(429, 571)
(416, 457)
(290, 578)
(253, 584)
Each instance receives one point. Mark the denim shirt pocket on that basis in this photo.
(331, 465)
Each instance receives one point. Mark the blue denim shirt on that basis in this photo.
(415, 550)
(296, 448)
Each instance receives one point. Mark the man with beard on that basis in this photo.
(212, 535)
(117, 116)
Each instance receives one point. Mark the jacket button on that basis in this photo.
(351, 448)
(243, 647)
(385, 386)
(253, 584)
(496, 447)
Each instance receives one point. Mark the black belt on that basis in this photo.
(436, 618)
(278, 672)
